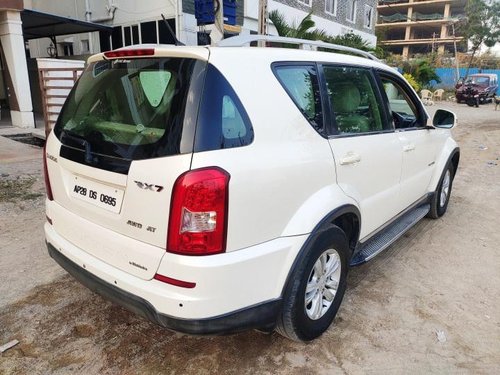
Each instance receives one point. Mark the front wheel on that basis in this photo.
(441, 197)
(316, 287)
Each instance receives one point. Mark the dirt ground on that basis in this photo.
(428, 304)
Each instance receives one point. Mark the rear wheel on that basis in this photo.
(441, 197)
(316, 287)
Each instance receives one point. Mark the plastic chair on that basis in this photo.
(426, 94)
(438, 94)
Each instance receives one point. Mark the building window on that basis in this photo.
(135, 34)
(131, 35)
(331, 7)
(116, 37)
(306, 2)
(67, 49)
(351, 11)
(164, 35)
(85, 45)
(368, 16)
(127, 37)
(148, 32)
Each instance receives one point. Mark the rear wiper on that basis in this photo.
(78, 139)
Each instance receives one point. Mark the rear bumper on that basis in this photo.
(258, 316)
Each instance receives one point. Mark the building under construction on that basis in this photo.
(408, 27)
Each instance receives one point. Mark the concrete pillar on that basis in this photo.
(409, 14)
(18, 85)
(406, 52)
(446, 15)
(408, 33)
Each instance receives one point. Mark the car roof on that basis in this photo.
(483, 75)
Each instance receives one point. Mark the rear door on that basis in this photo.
(123, 137)
(366, 149)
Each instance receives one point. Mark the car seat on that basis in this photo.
(346, 100)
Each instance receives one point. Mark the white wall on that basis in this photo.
(127, 13)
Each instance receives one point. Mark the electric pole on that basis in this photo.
(262, 28)
(217, 33)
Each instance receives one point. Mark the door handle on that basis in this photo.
(409, 147)
(350, 158)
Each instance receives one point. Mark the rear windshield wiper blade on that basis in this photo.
(78, 139)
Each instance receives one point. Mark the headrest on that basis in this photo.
(346, 98)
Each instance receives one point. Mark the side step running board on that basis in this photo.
(388, 235)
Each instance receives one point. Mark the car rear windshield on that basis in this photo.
(132, 108)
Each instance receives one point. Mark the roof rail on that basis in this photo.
(242, 40)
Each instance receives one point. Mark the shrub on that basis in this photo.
(411, 80)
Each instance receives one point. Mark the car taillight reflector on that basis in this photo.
(129, 53)
(48, 188)
(171, 281)
(198, 212)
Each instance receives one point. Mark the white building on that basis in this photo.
(140, 22)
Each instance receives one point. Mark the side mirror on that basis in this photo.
(444, 119)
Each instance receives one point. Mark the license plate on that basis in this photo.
(100, 195)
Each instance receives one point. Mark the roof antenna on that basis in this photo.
(177, 41)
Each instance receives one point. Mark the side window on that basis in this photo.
(354, 102)
(222, 119)
(301, 84)
(404, 112)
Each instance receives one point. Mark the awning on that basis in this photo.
(44, 25)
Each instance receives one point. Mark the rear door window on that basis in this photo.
(301, 84)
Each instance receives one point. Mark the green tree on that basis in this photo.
(351, 40)
(304, 30)
(482, 25)
(422, 72)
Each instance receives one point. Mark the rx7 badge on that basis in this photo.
(146, 186)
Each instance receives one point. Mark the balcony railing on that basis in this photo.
(400, 17)
(384, 2)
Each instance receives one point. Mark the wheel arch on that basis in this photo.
(450, 154)
(346, 218)
(455, 159)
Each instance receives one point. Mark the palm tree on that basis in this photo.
(304, 30)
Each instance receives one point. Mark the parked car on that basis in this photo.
(477, 89)
(218, 189)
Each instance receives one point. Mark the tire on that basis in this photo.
(303, 322)
(441, 197)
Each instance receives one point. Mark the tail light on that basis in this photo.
(198, 212)
(48, 189)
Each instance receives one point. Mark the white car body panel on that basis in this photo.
(419, 149)
(447, 148)
(224, 282)
(144, 214)
(380, 164)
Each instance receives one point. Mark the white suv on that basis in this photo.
(216, 189)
